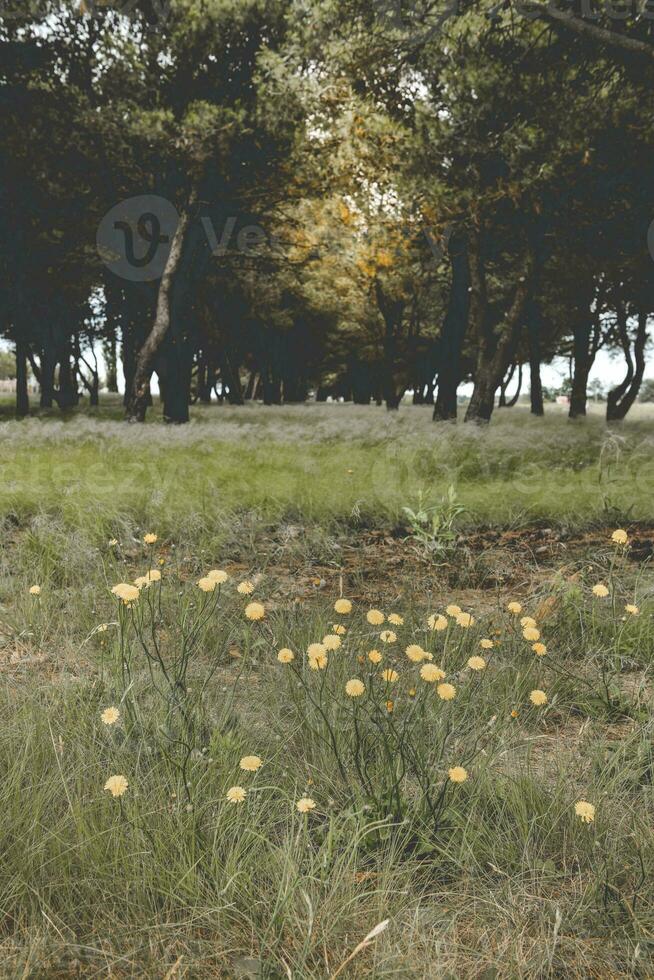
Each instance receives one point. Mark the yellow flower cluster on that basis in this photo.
(116, 785)
(126, 593)
(145, 581)
(255, 611)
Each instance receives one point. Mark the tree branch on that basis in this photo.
(568, 20)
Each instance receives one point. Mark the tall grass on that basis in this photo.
(325, 462)
(171, 876)
(494, 876)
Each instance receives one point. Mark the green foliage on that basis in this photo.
(435, 526)
(647, 391)
(7, 365)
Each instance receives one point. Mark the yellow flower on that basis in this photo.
(585, 810)
(245, 588)
(113, 542)
(255, 611)
(339, 629)
(412, 692)
(528, 621)
(446, 691)
(116, 785)
(457, 774)
(35, 590)
(538, 698)
(250, 763)
(217, 575)
(476, 663)
(235, 794)
(465, 620)
(390, 676)
(331, 641)
(150, 538)
(633, 610)
(355, 688)
(531, 633)
(431, 673)
(127, 593)
(207, 584)
(396, 620)
(145, 581)
(514, 713)
(374, 656)
(317, 657)
(285, 656)
(600, 590)
(539, 649)
(387, 636)
(343, 606)
(415, 653)
(103, 627)
(390, 706)
(486, 644)
(453, 610)
(437, 622)
(110, 716)
(514, 607)
(375, 617)
(620, 536)
(305, 804)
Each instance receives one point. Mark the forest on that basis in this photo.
(359, 199)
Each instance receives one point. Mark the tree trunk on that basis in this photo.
(251, 386)
(176, 392)
(455, 325)
(496, 350)
(137, 402)
(22, 391)
(48, 365)
(535, 383)
(231, 376)
(514, 399)
(68, 390)
(621, 398)
(583, 362)
(203, 376)
(587, 334)
(272, 387)
(109, 350)
(360, 377)
(506, 381)
(392, 312)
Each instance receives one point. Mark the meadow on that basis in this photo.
(262, 721)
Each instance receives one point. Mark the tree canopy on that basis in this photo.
(268, 198)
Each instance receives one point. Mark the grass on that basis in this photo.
(327, 462)
(496, 876)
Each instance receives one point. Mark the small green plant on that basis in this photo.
(433, 526)
(609, 468)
